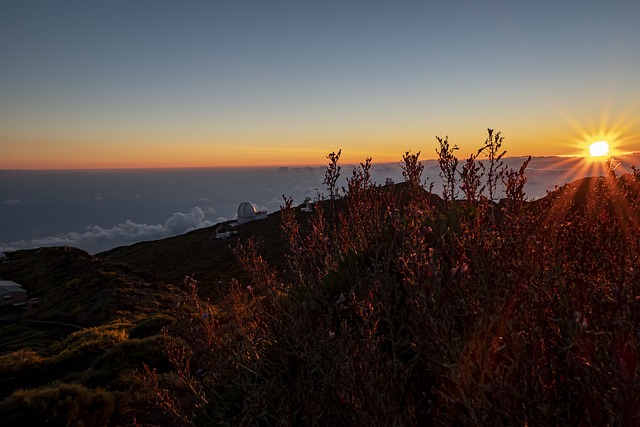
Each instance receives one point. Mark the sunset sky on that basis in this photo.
(118, 84)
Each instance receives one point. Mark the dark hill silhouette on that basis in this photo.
(199, 254)
(211, 261)
(75, 287)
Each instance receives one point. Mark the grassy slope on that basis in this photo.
(77, 288)
(105, 299)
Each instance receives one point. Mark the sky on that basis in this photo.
(143, 84)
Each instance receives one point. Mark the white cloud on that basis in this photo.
(124, 233)
(181, 223)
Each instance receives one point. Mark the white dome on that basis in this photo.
(246, 212)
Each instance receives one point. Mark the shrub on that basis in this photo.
(396, 310)
(151, 325)
(125, 356)
(18, 361)
(67, 405)
(88, 342)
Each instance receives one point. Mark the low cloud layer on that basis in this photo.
(36, 204)
(96, 238)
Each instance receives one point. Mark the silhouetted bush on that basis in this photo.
(65, 405)
(399, 308)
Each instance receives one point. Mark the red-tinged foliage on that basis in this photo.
(397, 310)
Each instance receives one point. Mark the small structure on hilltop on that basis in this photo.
(12, 294)
(388, 182)
(220, 234)
(248, 212)
(307, 207)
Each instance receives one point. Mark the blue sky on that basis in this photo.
(165, 83)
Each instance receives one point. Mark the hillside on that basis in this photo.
(87, 306)
(76, 288)
(391, 305)
(211, 261)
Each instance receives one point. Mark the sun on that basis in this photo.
(599, 149)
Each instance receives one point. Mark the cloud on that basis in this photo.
(182, 223)
(12, 202)
(124, 233)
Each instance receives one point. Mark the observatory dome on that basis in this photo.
(246, 212)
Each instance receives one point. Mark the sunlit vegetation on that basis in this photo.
(390, 305)
(398, 307)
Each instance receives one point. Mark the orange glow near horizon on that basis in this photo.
(31, 153)
(296, 150)
(38, 154)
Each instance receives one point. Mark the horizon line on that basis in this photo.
(300, 166)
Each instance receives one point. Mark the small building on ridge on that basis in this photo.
(248, 212)
(12, 294)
